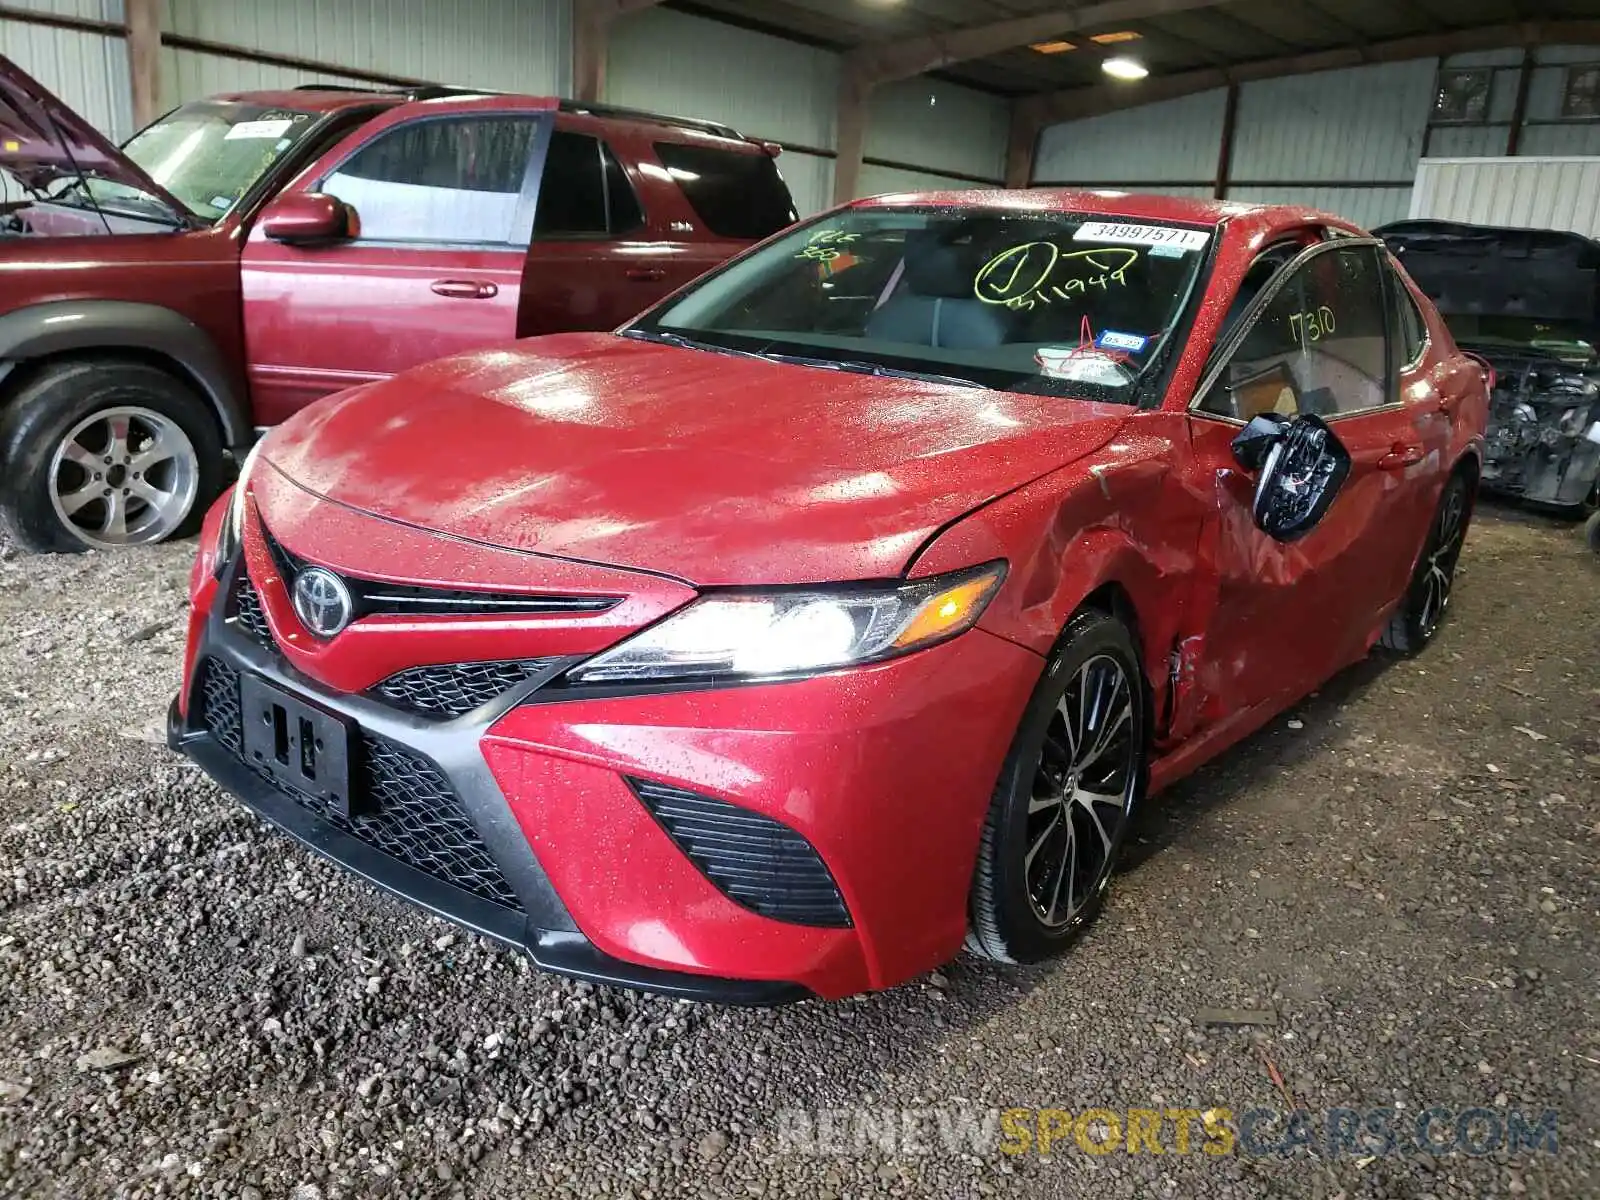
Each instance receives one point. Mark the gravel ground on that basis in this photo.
(1403, 873)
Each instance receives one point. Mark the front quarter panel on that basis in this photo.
(1116, 517)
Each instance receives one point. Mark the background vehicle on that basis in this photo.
(846, 604)
(1528, 301)
(248, 254)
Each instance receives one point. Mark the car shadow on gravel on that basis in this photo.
(1239, 770)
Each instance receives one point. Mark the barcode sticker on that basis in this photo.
(1113, 234)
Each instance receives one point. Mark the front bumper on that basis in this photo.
(885, 771)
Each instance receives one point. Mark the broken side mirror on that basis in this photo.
(1300, 465)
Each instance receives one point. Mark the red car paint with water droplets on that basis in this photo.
(603, 467)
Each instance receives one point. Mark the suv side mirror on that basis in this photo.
(1300, 467)
(307, 217)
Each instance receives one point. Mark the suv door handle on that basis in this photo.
(646, 274)
(1401, 456)
(464, 289)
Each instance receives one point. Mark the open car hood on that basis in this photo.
(1493, 271)
(42, 140)
(706, 467)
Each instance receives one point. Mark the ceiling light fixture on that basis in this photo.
(1125, 68)
(1057, 47)
(1111, 39)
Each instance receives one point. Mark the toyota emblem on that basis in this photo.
(322, 601)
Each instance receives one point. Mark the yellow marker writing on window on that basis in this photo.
(1039, 273)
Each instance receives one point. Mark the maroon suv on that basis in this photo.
(247, 254)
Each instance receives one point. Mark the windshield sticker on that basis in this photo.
(1041, 273)
(1129, 342)
(251, 130)
(825, 245)
(1183, 240)
(220, 202)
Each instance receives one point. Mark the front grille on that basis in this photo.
(248, 615)
(455, 689)
(373, 597)
(755, 861)
(220, 711)
(417, 818)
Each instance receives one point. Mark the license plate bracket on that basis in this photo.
(301, 745)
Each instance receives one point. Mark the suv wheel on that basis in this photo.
(105, 454)
(1060, 812)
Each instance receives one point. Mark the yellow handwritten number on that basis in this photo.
(1035, 272)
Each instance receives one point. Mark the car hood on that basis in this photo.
(1488, 270)
(42, 140)
(711, 468)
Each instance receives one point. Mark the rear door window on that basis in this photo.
(451, 180)
(584, 191)
(737, 194)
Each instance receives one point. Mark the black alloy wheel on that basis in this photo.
(1061, 810)
(1432, 582)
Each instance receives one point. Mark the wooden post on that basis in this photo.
(1519, 113)
(851, 127)
(590, 24)
(1230, 118)
(144, 59)
(1021, 145)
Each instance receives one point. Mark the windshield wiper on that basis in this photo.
(799, 360)
(864, 368)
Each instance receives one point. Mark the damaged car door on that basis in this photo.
(1312, 356)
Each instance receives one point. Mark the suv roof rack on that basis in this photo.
(338, 87)
(639, 114)
(442, 92)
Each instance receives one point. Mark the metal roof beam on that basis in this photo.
(884, 62)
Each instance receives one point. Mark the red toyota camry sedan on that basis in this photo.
(845, 606)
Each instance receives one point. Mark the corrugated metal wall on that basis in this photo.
(928, 123)
(87, 70)
(511, 45)
(1344, 141)
(1175, 142)
(1549, 193)
(773, 88)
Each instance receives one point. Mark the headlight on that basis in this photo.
(771, 634)
(231, 535)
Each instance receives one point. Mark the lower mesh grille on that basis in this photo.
(455, 689)
(248, 614)
(418, 819)
(755, 861)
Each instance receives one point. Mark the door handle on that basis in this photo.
(646, 274)
(465, 289)
(1401, 456)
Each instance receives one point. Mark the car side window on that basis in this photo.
(584, 191)
(453, 180)
(1410, 330)
(1320, 345)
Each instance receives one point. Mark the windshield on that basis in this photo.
(1044, 302)
(1570, 341)
(208, 155)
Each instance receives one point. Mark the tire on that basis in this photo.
(1433, 580)
(1591, 532)
(1009, 917)
(58, 492)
